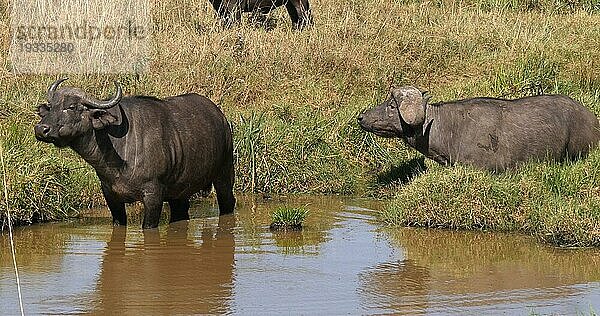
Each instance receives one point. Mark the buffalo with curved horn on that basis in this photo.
(143, 148)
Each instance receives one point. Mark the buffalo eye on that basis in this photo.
(393, 104)
(73, 107)
(43, 109)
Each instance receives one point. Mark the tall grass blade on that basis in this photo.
(10, 234)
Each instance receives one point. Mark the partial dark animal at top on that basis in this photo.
(145, 149)
(488, 133)
(230, 11)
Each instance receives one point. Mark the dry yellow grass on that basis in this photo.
(77, 36)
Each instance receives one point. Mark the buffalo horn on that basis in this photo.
(53, 88)
(93, 103)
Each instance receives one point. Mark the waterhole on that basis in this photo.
(342, 262)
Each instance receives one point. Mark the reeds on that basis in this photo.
(10, 226)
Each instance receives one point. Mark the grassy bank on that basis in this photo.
(293, 96)
(559, 204)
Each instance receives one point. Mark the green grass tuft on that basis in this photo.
(288, 218)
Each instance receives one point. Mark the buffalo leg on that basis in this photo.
(291, 9)
(299, 12)
(153, 202)
(179, 210)
(224, 188)
(116, 207)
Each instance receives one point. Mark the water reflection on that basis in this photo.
(449, 271)
(400, 286)
(341, 263)
(178, 273)
(57, 266)
(255, 218)
(280, 276)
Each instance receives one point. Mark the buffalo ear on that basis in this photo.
(103, 118)
(43, 110)
(411, 105)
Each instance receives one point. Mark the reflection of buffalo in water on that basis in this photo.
(475, 272)
(170, 275)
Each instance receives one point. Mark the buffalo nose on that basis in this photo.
(360, 117)
(42, 130)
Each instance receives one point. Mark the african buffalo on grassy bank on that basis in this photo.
(145, 149)
(487, 133)
(230, 11)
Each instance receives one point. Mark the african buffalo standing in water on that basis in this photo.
(488, 133)
(230, 11)
(145, 149)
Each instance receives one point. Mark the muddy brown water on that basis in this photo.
(341, 263)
